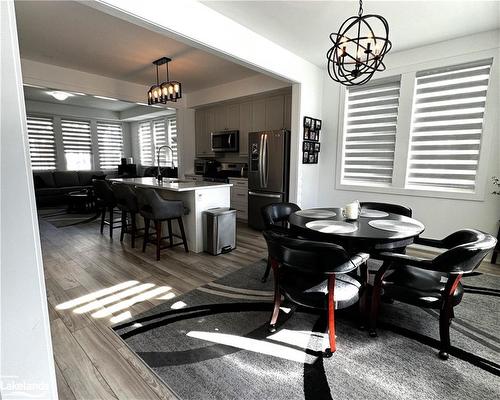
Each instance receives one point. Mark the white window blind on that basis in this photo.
(145, 144)
(77, 140)
(160, 139)
(42, 143)
(110, 144)
(371, 113)
(447, 125)
(172, 134)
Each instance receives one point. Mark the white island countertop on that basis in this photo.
(172, 184)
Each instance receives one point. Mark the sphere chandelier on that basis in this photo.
(358, 51)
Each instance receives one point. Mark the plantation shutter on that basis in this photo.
(42, 143)
(160, 139)
(172, 134)
(77, 141)
(370, 132)
(110, 144)
(447, 127)
(145, 144)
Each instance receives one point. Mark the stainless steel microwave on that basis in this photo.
(225, 141)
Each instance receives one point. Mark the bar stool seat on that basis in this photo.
(154, 208)
(126, 201)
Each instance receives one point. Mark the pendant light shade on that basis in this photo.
(358, 48)
(166, 91)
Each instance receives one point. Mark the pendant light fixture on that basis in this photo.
(166, 91)
(358, 48)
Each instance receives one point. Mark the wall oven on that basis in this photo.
(225, 141)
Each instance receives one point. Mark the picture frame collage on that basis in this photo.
(311, 145)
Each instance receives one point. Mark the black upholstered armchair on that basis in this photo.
(312, 274)
(387, 207)
(275, 218)
(431, 283)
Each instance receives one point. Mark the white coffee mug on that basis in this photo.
(351, 210)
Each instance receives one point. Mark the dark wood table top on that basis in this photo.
(365, 235)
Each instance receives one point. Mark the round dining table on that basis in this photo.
(374, 230)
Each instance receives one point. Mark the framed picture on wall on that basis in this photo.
(305, 157)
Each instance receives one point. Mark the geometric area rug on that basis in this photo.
(213, 343)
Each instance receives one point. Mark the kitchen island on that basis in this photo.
(197, 196)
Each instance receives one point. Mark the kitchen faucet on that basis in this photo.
(159, 177)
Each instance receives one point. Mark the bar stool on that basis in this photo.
(154, 208)
(105, 201)
(126, 201)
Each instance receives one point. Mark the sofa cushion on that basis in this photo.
(66, 178)
(43, 179)
(85, 177)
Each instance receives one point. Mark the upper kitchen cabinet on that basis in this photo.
(259, 115)
(227, 117)
(245, 127)
(204, 126)
(287, 118)
(275, 107)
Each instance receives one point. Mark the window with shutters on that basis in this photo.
(371, 114)
(447, 126)
(77, 141)
(110, 144)
(418, 133)
(154, 134)
(145, 143)
(41, 142)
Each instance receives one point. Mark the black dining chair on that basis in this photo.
(275, 218)
(105, 201)
(312, 274)
(431, 283)
(126, 201)
(154, 208)
(387, 207)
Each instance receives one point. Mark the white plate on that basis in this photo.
(329, 226)
(367, 213)
(316, 213)
(394, 226)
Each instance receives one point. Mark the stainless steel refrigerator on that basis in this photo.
(268, 172)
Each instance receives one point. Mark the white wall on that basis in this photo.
(25, 344)
(201, 27)
(441, 216)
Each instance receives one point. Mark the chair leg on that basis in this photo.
(158, 239)
(377, 290)
(183, 234)
(103, 217)
(146, 234)
(170, 237)
(445, 316)
(268, 270)
(331, 318)
(277, 296)
(111, 220)
(364, 293)
(134, 230)
(124, 225)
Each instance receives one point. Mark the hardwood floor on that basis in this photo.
(91, 361)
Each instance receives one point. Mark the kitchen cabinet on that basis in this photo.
(245, 128)
(287, 115)
(275, 113)
(259, 115)
(220, 116)
(204, 125)
(239, 197)
(233, 117)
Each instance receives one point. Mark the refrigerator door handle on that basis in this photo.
(266, 161)
(261, 161)
(273, 196)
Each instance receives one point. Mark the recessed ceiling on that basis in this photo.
(303, 27)
(81, 100)
(73, 35)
